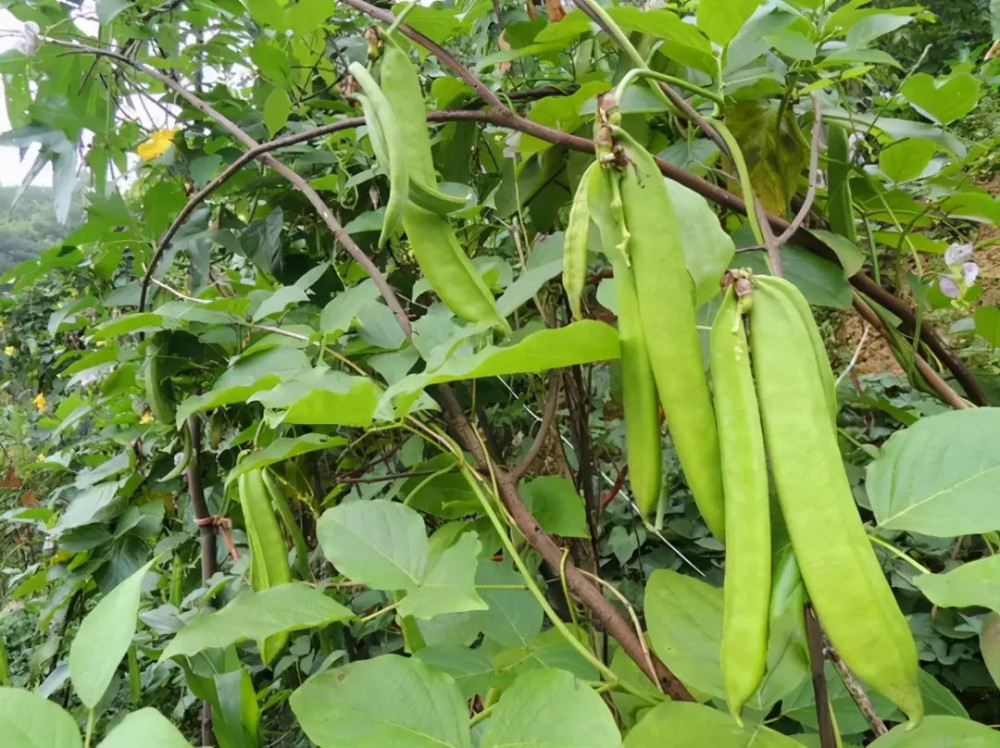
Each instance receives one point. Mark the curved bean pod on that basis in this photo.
(574, 274)
(838, 566)
(666, 304)
(747, 587)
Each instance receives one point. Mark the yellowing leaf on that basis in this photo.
(158, 143)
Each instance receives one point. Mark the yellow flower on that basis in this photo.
(42, 458)
(100, 343)
(147, 418)
(40, 402)
(9, 350)
(158, 143)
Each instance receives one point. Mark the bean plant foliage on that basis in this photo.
(314, 422)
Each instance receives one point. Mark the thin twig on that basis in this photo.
(824, 718)
(945, 391)
(857, 692)
(807, 202)
(857, 353)
(631, 612)
(548, 417)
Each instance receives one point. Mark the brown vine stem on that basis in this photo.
(381, 282)
(817, 661)
(941, 387)
(548, 417)
(857, 692)
(588, 593)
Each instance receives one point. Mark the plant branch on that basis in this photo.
(589, 594)
(857, 692)
(548, 417)
(824, 717)
(807, 202)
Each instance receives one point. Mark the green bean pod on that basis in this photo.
(747, 587)
(401, 84)
(643, 442)
(434, 200)
(157, 397)
(838, 566)
(666, 305)
(268, 553)
(448, 269)
(824, 372)
(380, 118)
(574, 274)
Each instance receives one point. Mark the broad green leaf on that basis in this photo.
(29, 721)
(322, 397)
(822, 282)
(104, 638)
(284, 448)
(708, 249)
(256, 616)
(279, 300)
(943, 100)
(721, 20)
(471, 668)
(126, 324)
(851, 257)
(379, 544)
(550, 709)
(800, 705)
(938, 731)
(385, 702)
(245, 376)
(514, 617)
(939, 476)
(906, 159)
(581, 342)
(554, 502)
(447, 496)
(108, 10)
(450, 584)
(146, 727)
(550, 649)
(277, 107)
(684, 620)
(338, 315)
(684, 42)
(695, 726)
(973, 584)
(937, 698)
(989, 645)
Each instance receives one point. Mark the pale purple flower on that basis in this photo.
(956, 254)
(949, 287)
(970, 271)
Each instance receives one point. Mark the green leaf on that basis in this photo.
(906, 159)
(284, 448)
(708, 249)
(721, 20)
(471, 668)
(108, 10)
(514, 617)
(103, 639)
(450, 584)
(550, 709)
(277, 107)
(447, 496)
(380, 544)
(937, 698)
(938, 477)
(245, 376)
(279, 301)
(385, 702)
(322, 397)
(684, 620)
(943, 100)
(556, 506)
(146, 727)
(692, 725)
(822, 282)
(973, 584)
(256, 616)
(581, 342)
(685, 43)
(989, 645)
(936, 731)
(29, 721)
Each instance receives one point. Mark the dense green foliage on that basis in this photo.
(267, 482)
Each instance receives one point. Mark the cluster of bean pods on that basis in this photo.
(396, 121)
(772, 406)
